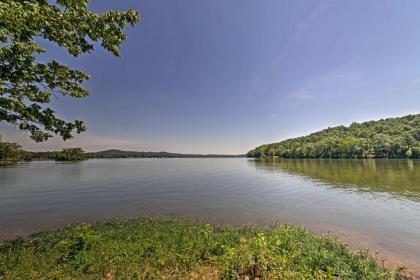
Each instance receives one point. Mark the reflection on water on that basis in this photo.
(400, 178)
(366, 202)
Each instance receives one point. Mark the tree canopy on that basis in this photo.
(11, 153)
(387, 138)
(27, 85)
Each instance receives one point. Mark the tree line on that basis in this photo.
(386, 138)
(68, 154)
(138, 154)
(11, 153)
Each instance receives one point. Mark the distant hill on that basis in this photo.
(133, 154)
(385, 138)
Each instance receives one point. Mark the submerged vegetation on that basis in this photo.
(165, 248)
(387, 138)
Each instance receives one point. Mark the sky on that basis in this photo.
(224, 76)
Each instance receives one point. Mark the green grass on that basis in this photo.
(160, 248)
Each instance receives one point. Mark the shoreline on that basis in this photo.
(195, 227)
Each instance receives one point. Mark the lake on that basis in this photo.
(365, 202)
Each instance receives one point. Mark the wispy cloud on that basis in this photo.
(273, 63)
(316, 12)
(320, 86)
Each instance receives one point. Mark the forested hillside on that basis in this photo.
(68, 154)
(387, 138)
(135, 154)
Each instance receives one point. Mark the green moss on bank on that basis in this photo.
(182, 249)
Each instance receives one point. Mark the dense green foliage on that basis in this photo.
(134, 154)
(387, 138)
(27, 86)
(183, 249)
(69, 154)
(11, 153)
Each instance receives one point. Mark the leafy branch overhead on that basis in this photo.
(27, 86)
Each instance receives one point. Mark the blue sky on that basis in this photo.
(225, 76)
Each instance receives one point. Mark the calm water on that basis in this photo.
(366, 202)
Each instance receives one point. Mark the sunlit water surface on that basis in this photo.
(365, 202)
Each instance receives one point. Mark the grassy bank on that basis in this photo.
(182, 249)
